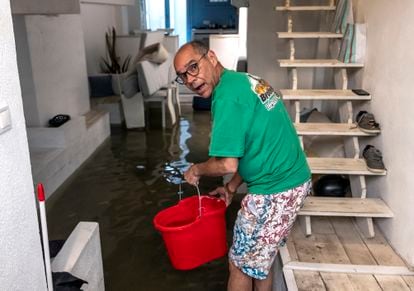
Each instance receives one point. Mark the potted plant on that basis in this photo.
(112, 63)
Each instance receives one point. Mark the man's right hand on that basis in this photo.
(224, 194)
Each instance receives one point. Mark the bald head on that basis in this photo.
(198, 68)
(196, 46)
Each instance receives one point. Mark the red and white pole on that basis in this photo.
(45, 237)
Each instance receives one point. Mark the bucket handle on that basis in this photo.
(199, 200)
(180, 194)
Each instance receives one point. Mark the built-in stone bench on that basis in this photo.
(55, 153)
(81, 256)
(111, 104)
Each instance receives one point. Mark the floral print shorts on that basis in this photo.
(262, 224)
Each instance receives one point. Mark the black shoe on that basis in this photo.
(366, 122)
(373, 158)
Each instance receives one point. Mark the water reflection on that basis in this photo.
(122, 188)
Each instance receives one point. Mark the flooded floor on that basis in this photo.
(121, 187)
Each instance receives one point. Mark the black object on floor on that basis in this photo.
(58, 120)
(55, 246)
(331, 186)
(64, 281)
(201, 103)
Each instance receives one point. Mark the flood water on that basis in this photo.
(122, 188)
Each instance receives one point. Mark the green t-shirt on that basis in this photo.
(250, 122)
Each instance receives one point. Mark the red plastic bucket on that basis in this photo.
(192, 240)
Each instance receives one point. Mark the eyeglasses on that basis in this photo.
(193, 69)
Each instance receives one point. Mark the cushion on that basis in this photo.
(155, 53)
(151, 37)
(100, 85)
(152, 76)
(130, 85)
(128, 82)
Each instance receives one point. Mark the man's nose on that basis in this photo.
(190, 79)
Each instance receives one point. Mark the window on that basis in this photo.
(155, 14)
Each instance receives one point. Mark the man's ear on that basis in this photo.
(212, 57)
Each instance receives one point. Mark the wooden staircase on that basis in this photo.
(359, 207)
(352, 165)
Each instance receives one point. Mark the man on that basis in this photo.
(254, 139)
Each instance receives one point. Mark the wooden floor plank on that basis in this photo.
(322, 225)
(319, 248)
(364, 282)
(292, 250)
(309, 281)
(305, 250)
(336, 281)
(353, 244)
(392, 283)
(382, 251)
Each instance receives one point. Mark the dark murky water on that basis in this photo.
(121, 187)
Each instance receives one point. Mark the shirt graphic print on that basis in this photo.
(264, 92)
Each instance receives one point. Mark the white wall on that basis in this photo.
(58, 65)
(389, 75)
(21, 266)
(264, 48)
(96, 20)
(24, 64)
(45, 7)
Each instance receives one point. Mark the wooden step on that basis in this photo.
(342, 95)
(305, 8)
(342, 206)
(345, 166)
(317, 63)
(342, 129)
(308, 35)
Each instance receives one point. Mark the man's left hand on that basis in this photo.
(191, 177)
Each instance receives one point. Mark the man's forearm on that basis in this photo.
(216, 167)
(234, 182)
